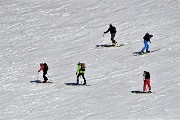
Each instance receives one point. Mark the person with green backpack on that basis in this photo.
(80, 72)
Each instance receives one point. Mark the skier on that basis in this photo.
(80, 72)
(44, 68)
(146, 38)
(112, 30)
(146, 81)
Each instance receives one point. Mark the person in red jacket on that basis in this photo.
(146, 81)
(44, 68)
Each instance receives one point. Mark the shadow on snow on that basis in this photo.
(38, 81)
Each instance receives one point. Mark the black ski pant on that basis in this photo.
(81, 74)
(112, 37)
(44, 76)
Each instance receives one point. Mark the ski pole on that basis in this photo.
(48, 77)
(103, 39)
(38, 76)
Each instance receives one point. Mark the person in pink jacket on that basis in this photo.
(44, 68)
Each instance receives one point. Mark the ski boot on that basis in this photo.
(114, 43)
(149, 91)
(147, 51)
(77, 82)
(45, 81)
(142, 52)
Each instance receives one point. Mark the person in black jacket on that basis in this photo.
(112, 30)
(146, 38)
(146, 81)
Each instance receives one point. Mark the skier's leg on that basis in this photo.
(145, 46)
(112, 38)
(84, 79)
(144, 87)
(44, 76)
(78, 78)
(149, 85)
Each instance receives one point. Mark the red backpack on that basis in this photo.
(83, 66)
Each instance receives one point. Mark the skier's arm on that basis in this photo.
(41, 68)
(107, 31)
(150, 37)
(144, 76)
(78, 69)
(77, 72)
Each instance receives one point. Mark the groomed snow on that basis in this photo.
(65, 32)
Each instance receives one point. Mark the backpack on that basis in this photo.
(114, 29)
(45, 67)
(83, 66)
(147, 75)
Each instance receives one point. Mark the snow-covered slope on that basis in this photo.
(64, 32)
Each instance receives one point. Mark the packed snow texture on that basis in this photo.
(65, 32)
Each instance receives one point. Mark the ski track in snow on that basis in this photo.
(63, 33)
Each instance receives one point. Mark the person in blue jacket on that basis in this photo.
(146, 38)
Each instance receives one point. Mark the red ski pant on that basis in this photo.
(146, 83)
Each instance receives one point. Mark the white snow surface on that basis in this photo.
(65, 32)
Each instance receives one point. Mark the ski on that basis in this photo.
(75, 84)
(39, 81)
(141, 53)
(108, 45)
(141, 92)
